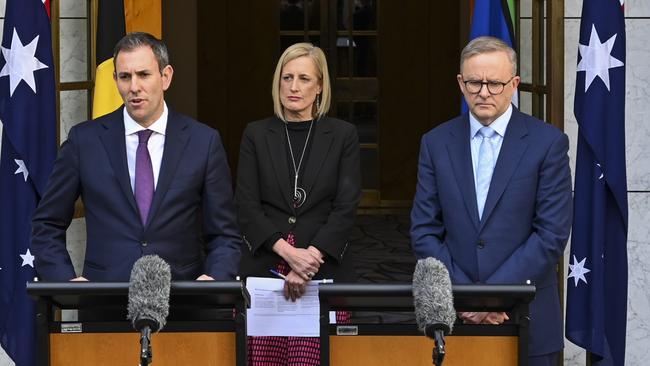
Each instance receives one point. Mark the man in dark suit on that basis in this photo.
(152, 182)
(493, 199)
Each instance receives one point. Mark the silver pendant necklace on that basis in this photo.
(299, 194)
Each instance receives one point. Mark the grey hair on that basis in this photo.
(135, 40)
(487, 44)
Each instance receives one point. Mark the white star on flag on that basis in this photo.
(602, 175)
(21, 63)
(597, 59)
(21, 169)
(578, 270)
(28, 259)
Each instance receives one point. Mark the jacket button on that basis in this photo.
(480, 244)
(144, 243)
(292, 220)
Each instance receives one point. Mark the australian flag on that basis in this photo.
(597, 280)
(27, 152)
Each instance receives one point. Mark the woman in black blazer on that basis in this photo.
(298, 186)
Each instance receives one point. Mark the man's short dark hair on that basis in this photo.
(135, 40)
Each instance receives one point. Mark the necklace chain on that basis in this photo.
(304, 148)
(296, 169)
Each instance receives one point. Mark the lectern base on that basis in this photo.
(416, 350)
(173, 349)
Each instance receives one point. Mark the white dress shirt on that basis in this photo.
(155, 145)
(499, 125)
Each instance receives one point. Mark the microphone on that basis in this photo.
(148, 300)
(434, 303)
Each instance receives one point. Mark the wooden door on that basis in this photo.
(393, 66)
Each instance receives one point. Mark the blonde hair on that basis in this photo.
(317, 55)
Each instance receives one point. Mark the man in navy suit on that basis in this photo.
(152, 181)
(493, 199)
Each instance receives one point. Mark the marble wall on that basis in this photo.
(73, 60)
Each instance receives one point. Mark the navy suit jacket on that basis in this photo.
(526, 219)
(191, 224)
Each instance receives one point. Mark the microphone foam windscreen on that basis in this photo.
(149, 292)
(432, 294)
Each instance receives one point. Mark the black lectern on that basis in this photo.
(195, 307)
(399, 297)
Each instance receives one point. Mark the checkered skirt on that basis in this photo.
(288, 351)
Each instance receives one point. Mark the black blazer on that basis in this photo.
(332, 181)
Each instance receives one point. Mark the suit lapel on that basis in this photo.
(177, 135)
(276, 141)
(512, 150)
(114, 142)
(461, 160)
(320, 147)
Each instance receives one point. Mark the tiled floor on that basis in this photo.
(381, 250)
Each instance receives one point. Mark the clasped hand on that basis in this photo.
(304, 264)
(494, 318)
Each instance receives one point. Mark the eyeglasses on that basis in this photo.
(494, 87)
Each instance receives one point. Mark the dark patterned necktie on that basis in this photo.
(144, 186)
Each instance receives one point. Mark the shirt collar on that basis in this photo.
(159, 126)
(499, 125)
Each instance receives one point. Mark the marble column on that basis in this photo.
(74, 103)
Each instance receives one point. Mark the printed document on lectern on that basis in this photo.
(271, 314)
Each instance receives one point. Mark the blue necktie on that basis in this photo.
(484, 168)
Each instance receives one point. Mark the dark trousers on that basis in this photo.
(543, 360)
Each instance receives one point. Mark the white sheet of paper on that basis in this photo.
(271, 315)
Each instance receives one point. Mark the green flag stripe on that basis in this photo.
(508, 8)
(511, 9)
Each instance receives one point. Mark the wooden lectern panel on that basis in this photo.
(173, 349)
(416, 350)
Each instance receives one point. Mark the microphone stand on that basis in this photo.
(437, 332)
(146, 355)
(439, 349)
